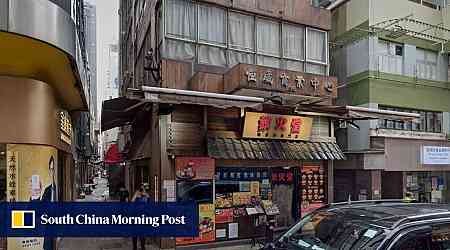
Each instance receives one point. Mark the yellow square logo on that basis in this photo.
(22, 219)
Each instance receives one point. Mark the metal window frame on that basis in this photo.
(326, 47)
(254, 52)
(304, 45)
(435, 114)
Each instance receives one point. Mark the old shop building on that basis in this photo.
(228, 103)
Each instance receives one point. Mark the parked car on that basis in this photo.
(377, 225)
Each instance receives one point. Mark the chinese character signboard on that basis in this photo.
(247, 78)
(272, 126)
(433, 155)
(65, 127)
(12, 178)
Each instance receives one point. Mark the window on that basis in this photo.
(429, 3)
(293, 42)
(317, 46)
(328, 230)
(212, 25)
(217, 36)
(268, 33)
(426, 64)
(181, 19)
(241, 31)
(429, 121)
(390, 57)
(316, 51)
(293, 38)
(268, 41)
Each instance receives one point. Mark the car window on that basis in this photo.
(328, 230)
(436, 237)
(419, 238)
(440, 237)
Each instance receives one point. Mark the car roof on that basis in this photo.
(387, 214)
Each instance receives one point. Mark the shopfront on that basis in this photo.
(403, 167)
(273, 169)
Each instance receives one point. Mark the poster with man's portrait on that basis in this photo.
(32, 176)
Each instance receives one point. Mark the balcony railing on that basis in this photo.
(395, 65)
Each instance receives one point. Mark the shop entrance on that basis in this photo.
(429, 186)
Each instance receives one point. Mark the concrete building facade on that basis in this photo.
(393, 55)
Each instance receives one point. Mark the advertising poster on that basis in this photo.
(31, 176)
(254, 188)
(207, 227)
(241, 198)
(224, 215)
(313, 188)
(194, 168)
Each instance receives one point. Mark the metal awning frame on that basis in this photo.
(177, 96)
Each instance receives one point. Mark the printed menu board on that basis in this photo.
(206, 227)
(313, 188)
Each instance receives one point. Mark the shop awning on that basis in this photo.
(118, 112)
(355, 113)
(179, 96)
(113, 156)
(251, 149)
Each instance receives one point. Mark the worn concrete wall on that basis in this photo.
(357, 57)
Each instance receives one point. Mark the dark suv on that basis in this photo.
(382, 224)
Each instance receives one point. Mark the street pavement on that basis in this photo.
(101, 194)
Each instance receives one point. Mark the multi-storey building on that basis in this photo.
(90, 14)
(393, 55)
(43, 88)
(111, 90)
(227, 103)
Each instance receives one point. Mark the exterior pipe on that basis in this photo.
(157, 90)
(336, 4)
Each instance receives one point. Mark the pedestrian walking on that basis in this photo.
(140, 196)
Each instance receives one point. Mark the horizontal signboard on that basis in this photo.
(273, 126)
(434, 155)
(98, 219)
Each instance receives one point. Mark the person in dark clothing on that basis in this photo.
(124, 195)
(140, 196)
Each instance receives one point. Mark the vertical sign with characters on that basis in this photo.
(12, 178)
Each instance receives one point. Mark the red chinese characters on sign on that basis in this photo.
(274, 126)
(280, 123)
(295, 125)
(264, 123)
(282, 177)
